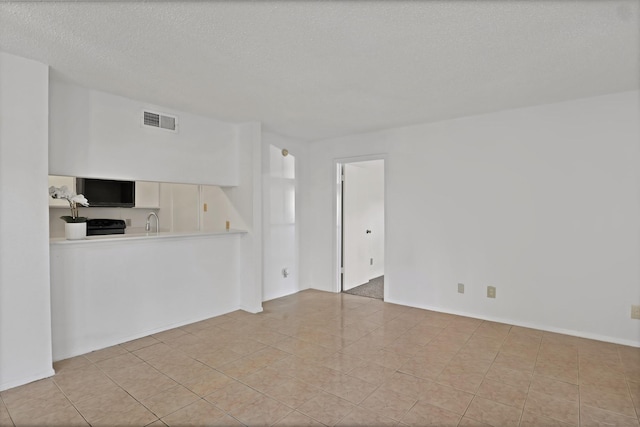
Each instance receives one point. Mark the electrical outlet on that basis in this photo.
(491, 291)
(205, 207)
(635, 311)
(127, 222)
(461, 288)
(370, 261)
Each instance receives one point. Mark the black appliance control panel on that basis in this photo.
(99, 227)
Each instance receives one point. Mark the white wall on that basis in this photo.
(540, 202)
(279, 216)
(247, 200)
(281, 229)
(96, 134)
(25, 315)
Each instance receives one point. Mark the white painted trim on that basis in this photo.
(537, 326)
(26, 380)
(79, 350)
(337, 193)
(336, 246)
(253, 310)
(256, 196)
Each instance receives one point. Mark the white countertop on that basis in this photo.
(144, 236)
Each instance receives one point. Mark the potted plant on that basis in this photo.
(75, 226)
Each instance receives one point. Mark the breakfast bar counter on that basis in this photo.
(144, 236)
(106, 290)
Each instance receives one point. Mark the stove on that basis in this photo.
(101, 227)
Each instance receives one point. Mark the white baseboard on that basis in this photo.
(253, 309)
(84, 348)
(580, 334)
(31, 378)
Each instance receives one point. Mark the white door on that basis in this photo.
(363, 222)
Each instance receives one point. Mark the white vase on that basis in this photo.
(75, 230)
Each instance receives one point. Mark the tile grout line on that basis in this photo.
(148, 364)
(475, 394)
(580, 388)
(7, 409)
(533, 372)
(70, 402)
(628, 381)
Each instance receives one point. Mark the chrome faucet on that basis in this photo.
(148, 226)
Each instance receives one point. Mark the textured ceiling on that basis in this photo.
(313, 70)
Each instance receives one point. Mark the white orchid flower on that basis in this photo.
(79, 199)
(65, 193)
(57, 193)
(73, 199)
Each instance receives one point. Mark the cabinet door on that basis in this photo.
(185, 200)
(59, 181)
(147, 194)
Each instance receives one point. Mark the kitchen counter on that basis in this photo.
(144, 236)
(106, 290)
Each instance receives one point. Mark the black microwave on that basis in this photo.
(107, 192)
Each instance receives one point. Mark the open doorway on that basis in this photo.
(361, 236)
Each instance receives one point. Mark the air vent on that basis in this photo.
(161, 121)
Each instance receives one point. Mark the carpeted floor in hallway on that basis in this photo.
(373, 289)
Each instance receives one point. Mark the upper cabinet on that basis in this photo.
(147, 194)
(59, 181)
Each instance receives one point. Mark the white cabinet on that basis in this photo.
(184, 206)
(147, 194)
(59, 181)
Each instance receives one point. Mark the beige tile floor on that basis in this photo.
(317, 358)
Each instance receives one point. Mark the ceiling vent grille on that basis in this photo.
(161, 121)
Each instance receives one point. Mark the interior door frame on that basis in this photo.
(337, 245)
